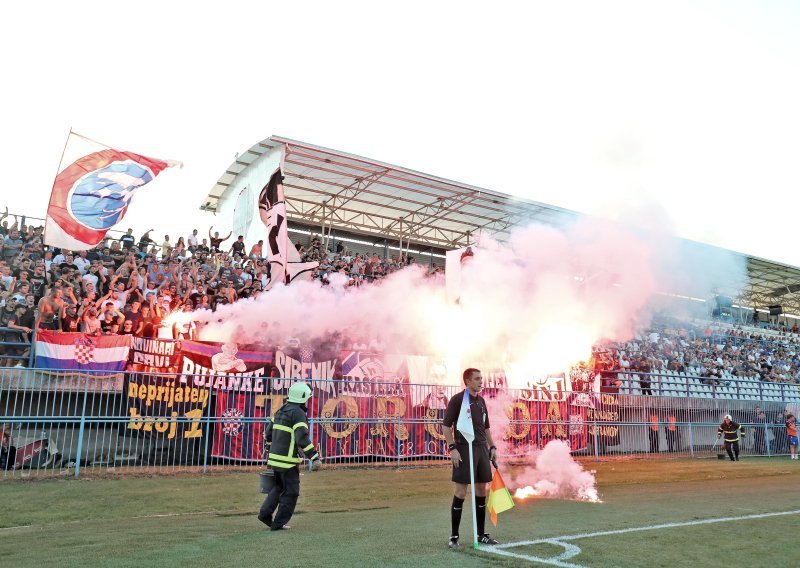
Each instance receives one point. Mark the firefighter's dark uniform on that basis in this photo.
(733, 432)
(287, 433)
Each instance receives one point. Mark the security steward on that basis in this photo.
(733, 432)
(286, 436)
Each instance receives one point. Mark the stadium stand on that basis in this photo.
(129, 286)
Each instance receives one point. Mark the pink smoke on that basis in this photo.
(553, 473)
(532, 306)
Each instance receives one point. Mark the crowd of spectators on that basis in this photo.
(716, 353)
(130, 285)
(357, 269)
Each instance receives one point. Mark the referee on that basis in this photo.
(483, 450)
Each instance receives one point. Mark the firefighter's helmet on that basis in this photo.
(299, 393)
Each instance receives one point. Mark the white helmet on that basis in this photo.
(299, 393)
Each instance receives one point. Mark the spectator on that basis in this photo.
(216, 240)
(8, 453)
(257, 250)
(127, 240)
(191, 241)
(237, 248)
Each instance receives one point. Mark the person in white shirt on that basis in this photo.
(82, 262)
(191, 241)
(90, 278)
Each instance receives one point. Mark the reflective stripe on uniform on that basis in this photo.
(283, 428)
(282, 461)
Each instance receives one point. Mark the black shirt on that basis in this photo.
(38, 285)
(70, 323)
(127, 241)
(133, 317)
(480, 417)
(25, 320)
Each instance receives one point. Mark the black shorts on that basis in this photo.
(483, 469)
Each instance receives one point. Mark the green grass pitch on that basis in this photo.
(390, 517)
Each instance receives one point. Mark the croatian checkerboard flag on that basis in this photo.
(92, 193)
(81, 352)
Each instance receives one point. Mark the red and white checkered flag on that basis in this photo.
(84, 353)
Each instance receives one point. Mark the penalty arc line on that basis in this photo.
(572, 550)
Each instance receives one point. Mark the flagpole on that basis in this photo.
(58, 170)
(472, 491)
(95, 141)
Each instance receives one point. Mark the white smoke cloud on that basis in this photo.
(536, 304)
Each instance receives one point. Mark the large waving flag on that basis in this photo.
(81, 352)
(464, 423)
(455, 261)
(499, 497)
(284, 260)
(92, 193)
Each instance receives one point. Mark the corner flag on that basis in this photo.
(464, 423)
(499, 497)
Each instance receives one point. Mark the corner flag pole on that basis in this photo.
(472, 492)
(464, 425)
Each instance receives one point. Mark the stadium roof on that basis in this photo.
(331, 188)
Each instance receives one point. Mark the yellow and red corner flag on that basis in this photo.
(499, 497)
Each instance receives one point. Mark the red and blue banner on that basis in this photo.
(92, 194)
(79, 352)
(239, 381)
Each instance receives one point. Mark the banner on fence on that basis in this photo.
(81, 352)
(161, 406)
(155, 356)
(239, 381)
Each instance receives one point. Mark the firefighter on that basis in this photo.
(287, 436)
(733, 432)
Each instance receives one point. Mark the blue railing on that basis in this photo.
(20, 350)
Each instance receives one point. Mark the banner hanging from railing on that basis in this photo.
(79, 352)
(239, 381)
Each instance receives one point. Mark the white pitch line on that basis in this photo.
(551, 561)
(649, 528)
(571, 550)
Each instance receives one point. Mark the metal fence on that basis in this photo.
(16, 347)
(72, 424)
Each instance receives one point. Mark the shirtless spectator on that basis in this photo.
(51, 310)
(257, 251)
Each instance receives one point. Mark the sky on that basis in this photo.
(680, 112)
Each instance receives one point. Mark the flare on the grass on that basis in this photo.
(499, 497)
